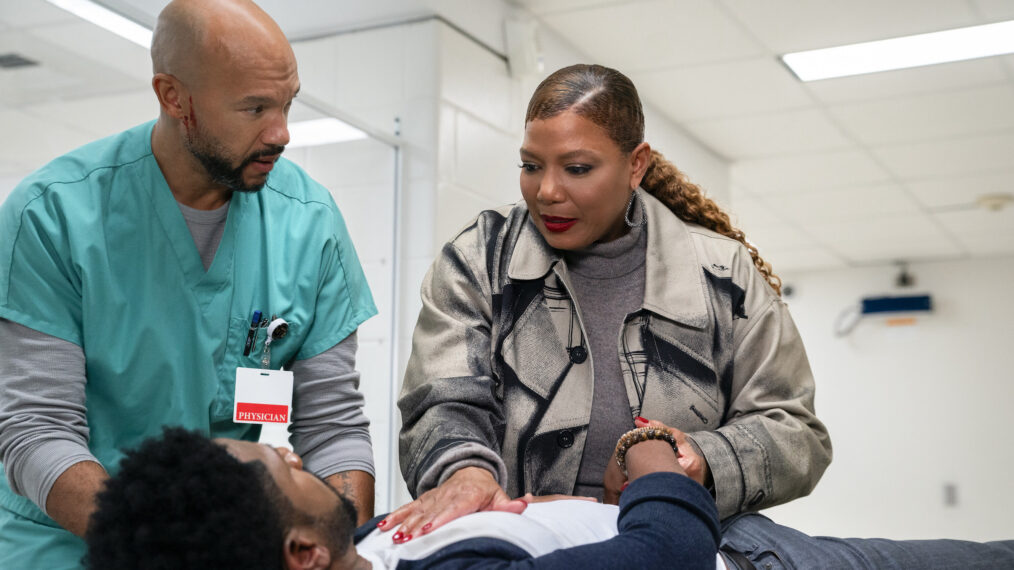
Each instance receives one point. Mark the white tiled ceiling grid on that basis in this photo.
(839, 172)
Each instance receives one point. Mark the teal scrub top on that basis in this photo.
(94, 250)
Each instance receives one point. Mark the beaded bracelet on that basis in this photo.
(635, 436)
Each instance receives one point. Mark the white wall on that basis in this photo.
(911, 409)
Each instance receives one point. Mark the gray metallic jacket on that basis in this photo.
(500, 376)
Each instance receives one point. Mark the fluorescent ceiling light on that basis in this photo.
(320, 132)
(899, 53)
(106, 18)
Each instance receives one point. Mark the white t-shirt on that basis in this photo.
(540, 529)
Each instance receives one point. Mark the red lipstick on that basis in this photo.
(556, 224)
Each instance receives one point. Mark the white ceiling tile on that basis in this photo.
(723, 90)
(26, 84)
(808, 172)
(748, 212)
(995, 10)
(790, 25)
(778, 236)
(928, 117)
(961, 190)
(100, 116)
(885, 239)
(736, 192)
(899, 249)
(770, 134)
(913, 81)
(972, 155)
(986, 246)
(304, 18)
(63, 72)
(551, 6)
(871, 230)
(844, 204)
(38, 140)
(654, 34)
(104, 48)
(28, 13)
(809, 258)
(980, 223)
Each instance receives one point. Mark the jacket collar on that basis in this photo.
(674, 284)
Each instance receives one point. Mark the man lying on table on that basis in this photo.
(185, 501)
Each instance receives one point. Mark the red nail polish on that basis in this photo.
(398, 536)
(382, 524)
(427, 526)
(407, 538)
(639, 418)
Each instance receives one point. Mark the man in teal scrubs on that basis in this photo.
(130, 270)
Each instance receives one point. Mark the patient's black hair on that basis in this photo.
(182, 501)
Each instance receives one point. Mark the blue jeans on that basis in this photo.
(771, 546)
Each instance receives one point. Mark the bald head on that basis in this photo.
(192, 37)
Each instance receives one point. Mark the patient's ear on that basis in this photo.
(304, 551)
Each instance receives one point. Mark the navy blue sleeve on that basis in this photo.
(666, 521)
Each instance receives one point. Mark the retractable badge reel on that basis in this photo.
(277, 329)
(263, 395)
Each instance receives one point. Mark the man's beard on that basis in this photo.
(218, 165)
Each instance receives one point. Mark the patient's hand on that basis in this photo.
(649, 457)
(468, 490)
(690, 457)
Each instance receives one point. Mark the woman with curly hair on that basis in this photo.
(616, 295)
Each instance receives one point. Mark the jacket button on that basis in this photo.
(578, 354)
(565, 438)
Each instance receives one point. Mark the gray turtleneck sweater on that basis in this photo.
(608, 284)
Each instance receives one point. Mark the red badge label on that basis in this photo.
(262, 413)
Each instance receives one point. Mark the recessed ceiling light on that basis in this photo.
(899, 53)
(106, 18)
(318, 132)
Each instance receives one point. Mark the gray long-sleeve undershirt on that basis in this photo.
(44, 431)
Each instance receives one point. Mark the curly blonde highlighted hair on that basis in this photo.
(609, 99)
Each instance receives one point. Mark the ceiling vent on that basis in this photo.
(13, 60)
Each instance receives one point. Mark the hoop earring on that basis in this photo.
(631, 206)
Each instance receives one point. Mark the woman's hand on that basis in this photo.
(613, 482)
(690, 457)
(468, 490)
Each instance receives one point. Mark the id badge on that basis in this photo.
(262, 396)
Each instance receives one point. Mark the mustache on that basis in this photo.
(273, 150)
